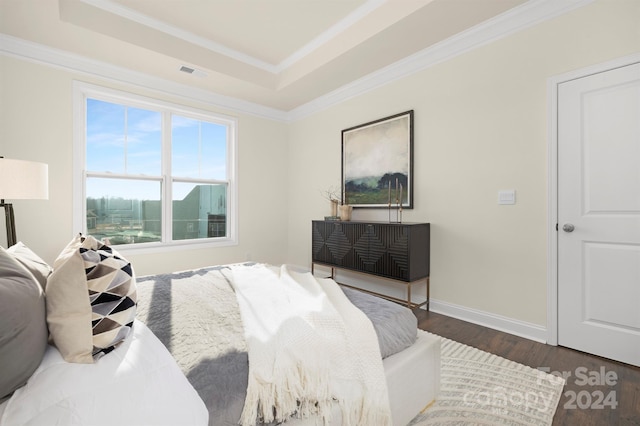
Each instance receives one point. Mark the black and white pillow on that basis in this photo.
(91, 300)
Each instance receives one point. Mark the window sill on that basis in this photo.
(148, 248)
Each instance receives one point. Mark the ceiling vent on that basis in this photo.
(193, 71)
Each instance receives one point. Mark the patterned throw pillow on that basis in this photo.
(91, 300)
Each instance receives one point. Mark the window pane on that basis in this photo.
(199, 211)
(123, 139)
(124, 211)
(144, 142)
(214, 151)
(199, 148)
(105, 136)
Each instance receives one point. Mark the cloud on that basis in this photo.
(375, 150)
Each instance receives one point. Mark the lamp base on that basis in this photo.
(10, 221)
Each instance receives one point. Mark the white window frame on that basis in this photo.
(81, 92)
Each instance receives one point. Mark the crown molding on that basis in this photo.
(332, 32)
(132, 15)
(519, 18)
(61, 59)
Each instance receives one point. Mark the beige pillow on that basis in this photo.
(91, 300)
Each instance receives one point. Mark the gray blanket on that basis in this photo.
(195, 315)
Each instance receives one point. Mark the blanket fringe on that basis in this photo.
(295, 384)
(288, 398)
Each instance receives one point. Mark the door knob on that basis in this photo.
(568, 227)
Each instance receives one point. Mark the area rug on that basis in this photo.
(479, 388)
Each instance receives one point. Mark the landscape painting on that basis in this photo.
(377, 163)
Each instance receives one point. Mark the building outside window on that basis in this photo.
(153, 174)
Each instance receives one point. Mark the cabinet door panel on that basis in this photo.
(319, 250)
(389, 251)
(338, 244)
(358, 245)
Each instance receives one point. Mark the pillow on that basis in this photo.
(23, 327)
(91, 300)
(32, 262)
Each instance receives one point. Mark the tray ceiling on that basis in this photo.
(277, 53)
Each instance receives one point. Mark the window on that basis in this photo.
(152, 174)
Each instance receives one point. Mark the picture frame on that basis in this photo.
(377, 163)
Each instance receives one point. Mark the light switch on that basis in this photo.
(507, 197)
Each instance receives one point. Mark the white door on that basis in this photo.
(599, 214)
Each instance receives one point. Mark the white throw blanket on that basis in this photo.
(308, 348)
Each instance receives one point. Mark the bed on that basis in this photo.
(185, 362)
(411, 357)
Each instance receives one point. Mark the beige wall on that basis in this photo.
(480, 126)
(36, 124)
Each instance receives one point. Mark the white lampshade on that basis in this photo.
(23, 180)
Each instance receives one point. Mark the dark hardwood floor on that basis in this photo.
(597, 392)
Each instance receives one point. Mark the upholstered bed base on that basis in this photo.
(413, 380)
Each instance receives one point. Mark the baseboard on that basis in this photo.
(497, 322)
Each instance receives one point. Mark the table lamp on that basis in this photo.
(21, 180)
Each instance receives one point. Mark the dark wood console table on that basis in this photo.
(398, 251)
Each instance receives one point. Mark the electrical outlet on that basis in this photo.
(507, 197)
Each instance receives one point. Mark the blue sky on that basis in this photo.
(128, 140)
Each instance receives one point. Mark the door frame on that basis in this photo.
(552, 181)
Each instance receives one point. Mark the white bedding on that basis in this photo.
(308, 345)
(139, 383)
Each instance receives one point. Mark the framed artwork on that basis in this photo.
(377, 163)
